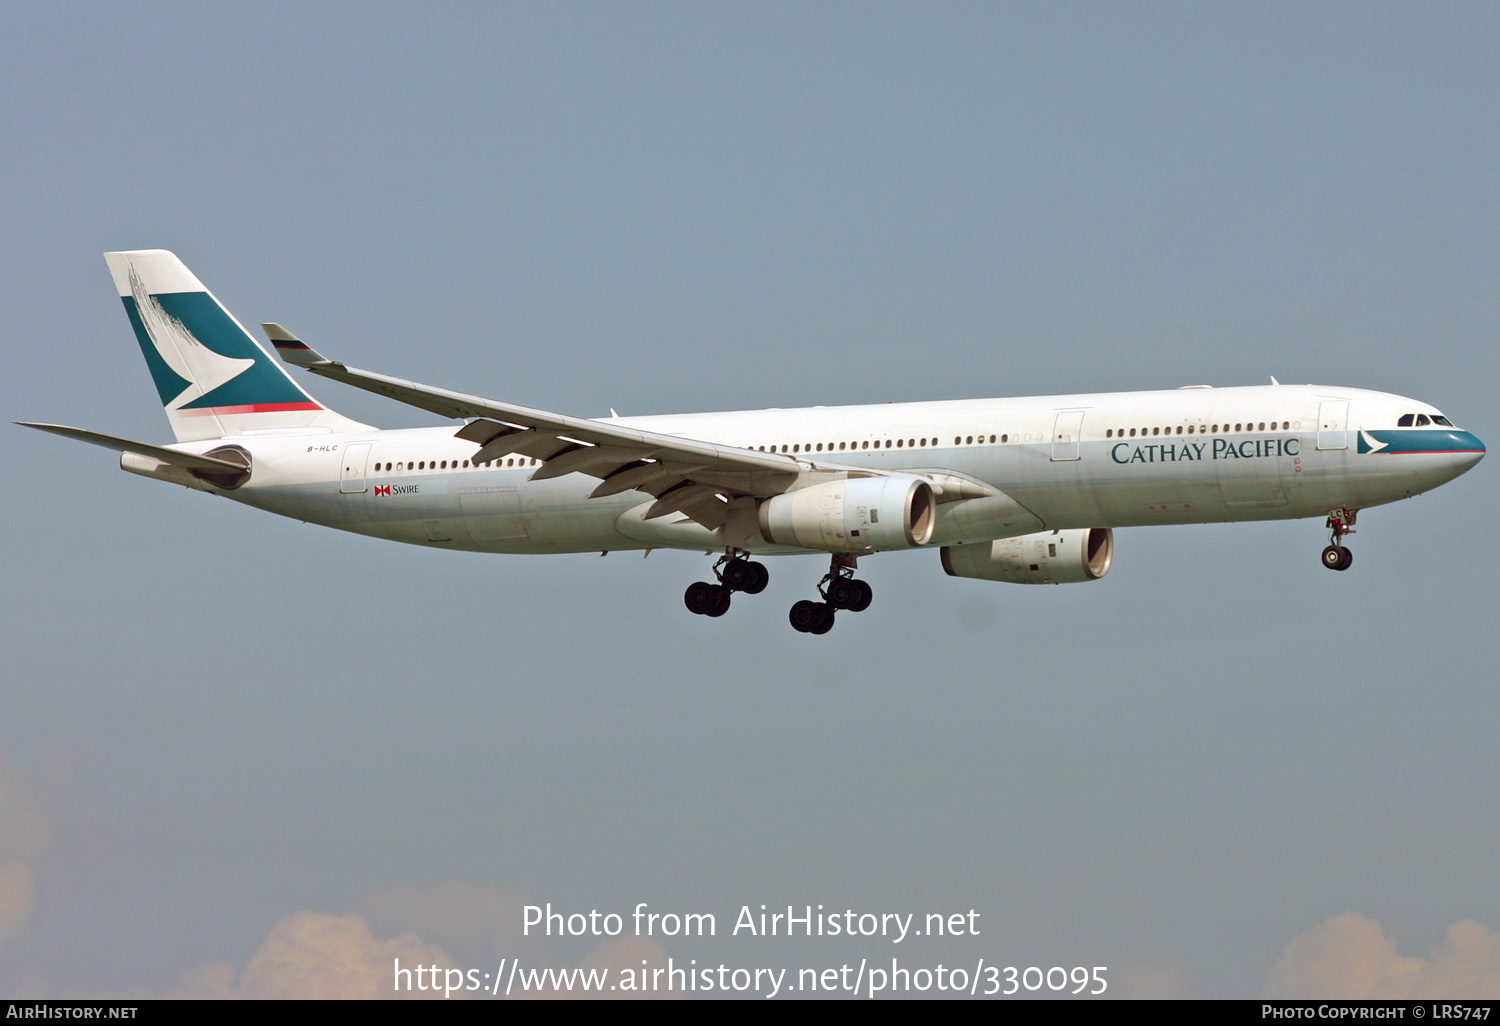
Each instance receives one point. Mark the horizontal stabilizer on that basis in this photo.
(185, 460)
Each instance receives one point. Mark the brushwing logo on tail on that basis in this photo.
(202, 360)
(202, 369)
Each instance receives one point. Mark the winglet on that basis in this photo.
(291, 348)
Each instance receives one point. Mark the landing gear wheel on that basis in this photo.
(737, 574)
(843, 593)
(722, 595)
(745, 575)
(825, 623)
(706, 599)
(849, 593)
(1336, 557)
(759, 579)
(862, 600)
(1340, 523)
(807, 616)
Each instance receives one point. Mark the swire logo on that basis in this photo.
(382, 489)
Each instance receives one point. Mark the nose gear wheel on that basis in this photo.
(1340, 523)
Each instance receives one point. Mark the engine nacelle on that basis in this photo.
(862, 514)
(1047, 557)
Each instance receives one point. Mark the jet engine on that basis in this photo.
(864, 514)
(1047, 557)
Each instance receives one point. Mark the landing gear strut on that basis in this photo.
(734, 573)
(1340, 523)
(839, 589)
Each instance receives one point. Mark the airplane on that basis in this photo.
(1020, 490)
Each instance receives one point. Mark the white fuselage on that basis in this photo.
(1194, 455)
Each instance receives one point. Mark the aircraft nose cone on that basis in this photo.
(1467, 451)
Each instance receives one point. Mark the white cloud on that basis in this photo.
(473, 920)
(318, 955)
(1349, 956)
(1149, 981)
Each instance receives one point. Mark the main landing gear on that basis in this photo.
(1340, 523)
(734, 573)
(839, 590)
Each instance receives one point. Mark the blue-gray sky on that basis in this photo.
(219, 728)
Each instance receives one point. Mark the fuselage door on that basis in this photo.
(1065, 435)
(352, 477)
(1333, 424)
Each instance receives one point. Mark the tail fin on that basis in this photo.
(213, 378)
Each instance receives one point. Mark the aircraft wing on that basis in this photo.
(687, 475)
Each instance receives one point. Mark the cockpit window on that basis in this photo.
(1406, 420)
(1438, 418)
(1422, 420)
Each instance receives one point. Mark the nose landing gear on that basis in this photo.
(1340, 523)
